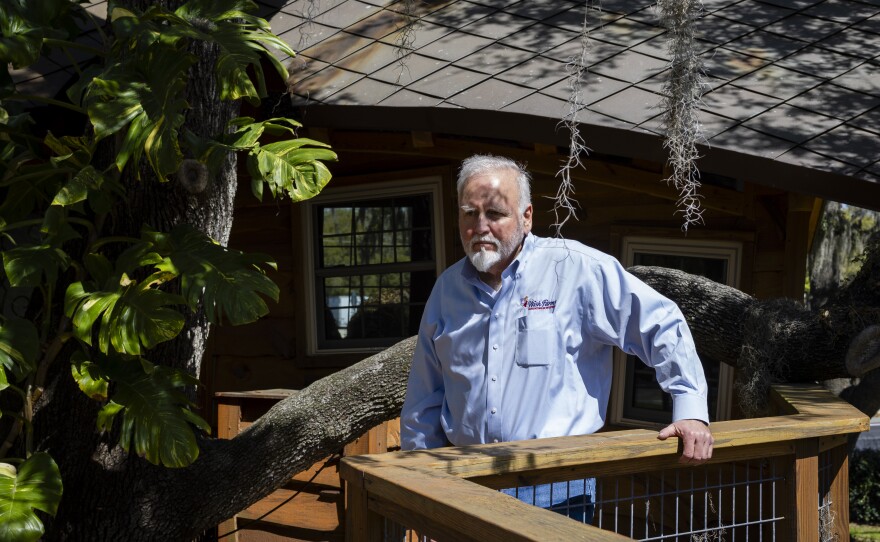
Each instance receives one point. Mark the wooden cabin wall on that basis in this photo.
(773, 227)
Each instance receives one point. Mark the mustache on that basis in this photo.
(484, 239)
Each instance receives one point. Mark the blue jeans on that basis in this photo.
(575, 499)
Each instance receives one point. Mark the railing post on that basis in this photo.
(228, 420)
(361, 524)
(838, 492)
(803, 509)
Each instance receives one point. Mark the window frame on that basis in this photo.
(732, 252)
(425, 185)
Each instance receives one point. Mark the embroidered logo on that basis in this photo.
(538, 305)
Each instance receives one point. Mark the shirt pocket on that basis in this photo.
(538, 342)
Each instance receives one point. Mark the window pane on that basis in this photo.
(368, 219)
(362, 306)
(337, 257)
(421, 245)
(402, 247)
(645, 400)
(387, 305)
(336, 220)
(388, 218)
(711, 268)
(387, 231)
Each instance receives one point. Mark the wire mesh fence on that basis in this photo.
(826, 511)
(735, 501)
(730, 502)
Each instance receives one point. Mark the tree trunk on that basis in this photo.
(778, 340)
(108, 494)
(133, 501)
(780, 334)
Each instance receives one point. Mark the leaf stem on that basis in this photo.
(40, 173)
(14, 431)
(114, 239)
(83, 222)
(51, 353)
(65, 44)
(28, 417)
(16, 389)
(48, 101)
(21, 224)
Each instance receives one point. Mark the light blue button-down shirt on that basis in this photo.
(534, 359)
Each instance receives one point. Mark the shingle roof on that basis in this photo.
(792, 81)
(52, 72)
(793, 93)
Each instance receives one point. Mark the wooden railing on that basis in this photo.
(450, 494)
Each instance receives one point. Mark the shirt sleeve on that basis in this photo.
(626, 312)
(420, 417)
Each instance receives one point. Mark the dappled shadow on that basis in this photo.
(512, 58)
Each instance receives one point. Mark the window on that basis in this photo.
(638, 397)
(374, 260)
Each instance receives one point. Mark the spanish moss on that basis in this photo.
(682, 98)
(564, 202)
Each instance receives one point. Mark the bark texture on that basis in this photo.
(801, 345)
(135, 501)
(109, 494)
(779, 340)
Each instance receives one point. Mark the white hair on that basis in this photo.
(482, 163)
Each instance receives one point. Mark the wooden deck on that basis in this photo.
(317, 512)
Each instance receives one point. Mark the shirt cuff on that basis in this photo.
(690, 407)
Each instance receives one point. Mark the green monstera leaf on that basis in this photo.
(30, 266)
(29, 186)
(248, 132)
(145, 99)
(156, 417)
(89, 377)
(289, 167)
(228, 282)
(19, 348)
(242, 40)
(36, 486)
(134, 317)
(23, 25)
(245, 135)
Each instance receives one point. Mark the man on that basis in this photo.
(516, 339)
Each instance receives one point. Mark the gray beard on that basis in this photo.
(484, 259)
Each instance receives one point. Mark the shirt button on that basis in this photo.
(495, 440)
(494, 347)
(494, 378)
(496, 315)
(494, 410)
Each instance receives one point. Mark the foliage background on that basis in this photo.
(864, 486)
